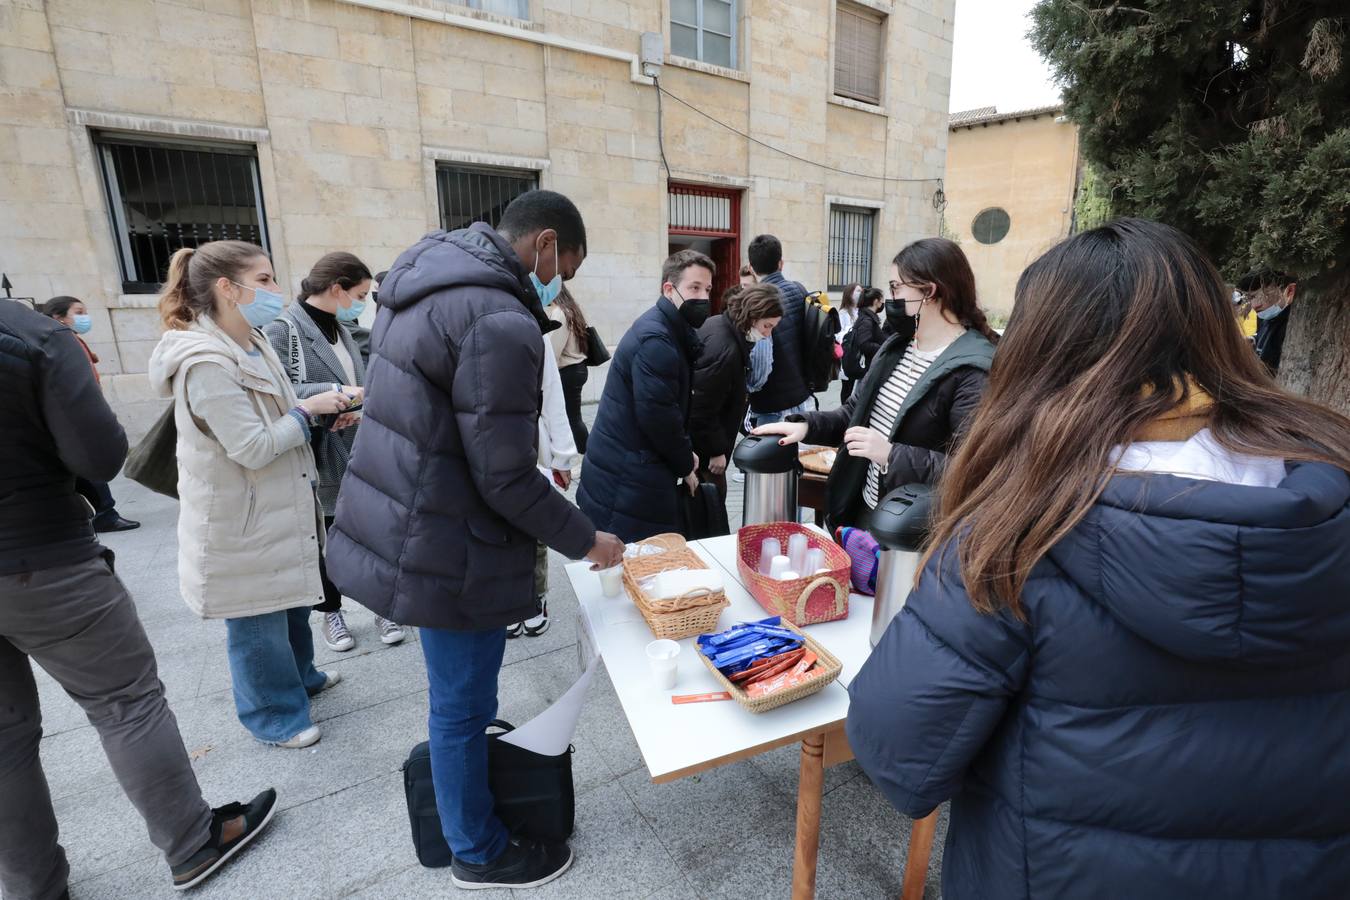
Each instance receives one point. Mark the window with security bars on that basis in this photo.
(165, 194)
(850, 258)
(859, 41)
(469, 194)
(516, 9)
(704, 30)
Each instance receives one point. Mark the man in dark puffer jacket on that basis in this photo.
(442, 504)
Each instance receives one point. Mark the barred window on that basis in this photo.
(859, 37)
(164, 194)
(850, 257)
(704, 30)
(469, 194)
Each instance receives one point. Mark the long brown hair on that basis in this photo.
(943, 264)
(576, 319)
(339, 267)
(1109, 330)
(846, 301)
(187, 291)
(753, 304)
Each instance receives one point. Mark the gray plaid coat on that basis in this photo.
(313, 368)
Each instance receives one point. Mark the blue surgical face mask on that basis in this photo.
(547, 292)
(351, 313)
(80, 323)
(1270, 312)
(265, 307)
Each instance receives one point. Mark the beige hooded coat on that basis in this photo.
(249, 527)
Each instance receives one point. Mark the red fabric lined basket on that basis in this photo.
(803, 601)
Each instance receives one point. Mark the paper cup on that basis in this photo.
(611, 581)
(664, 658)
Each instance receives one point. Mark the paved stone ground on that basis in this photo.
(342, 830)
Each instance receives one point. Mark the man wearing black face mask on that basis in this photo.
(640, 446)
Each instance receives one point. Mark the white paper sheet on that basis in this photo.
(552, 730)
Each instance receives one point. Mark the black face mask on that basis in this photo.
(695, 312)
(899, 321)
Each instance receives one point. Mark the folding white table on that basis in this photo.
(681, 740)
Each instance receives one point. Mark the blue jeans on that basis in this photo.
(758, 419)
(272, 668)
(462, 669)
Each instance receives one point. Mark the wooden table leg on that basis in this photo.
(810, 789)
(920, 848)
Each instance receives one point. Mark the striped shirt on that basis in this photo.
(889, 400)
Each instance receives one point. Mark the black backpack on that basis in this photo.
(854, 365)
(819, 326)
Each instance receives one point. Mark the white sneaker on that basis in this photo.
(390, 632)
(304, 739)
(335, 633)
(329, 680)
(738, 476)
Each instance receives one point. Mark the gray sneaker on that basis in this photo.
(335, 633)
(390, 632)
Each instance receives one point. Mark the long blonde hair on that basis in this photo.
(187, 290)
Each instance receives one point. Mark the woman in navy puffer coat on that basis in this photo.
(1127, 659)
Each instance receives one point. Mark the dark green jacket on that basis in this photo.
(931, 418)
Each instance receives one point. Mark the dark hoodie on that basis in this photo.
(1171, 721)
(442, 503)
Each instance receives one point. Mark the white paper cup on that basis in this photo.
(664, 658)
(611, 581)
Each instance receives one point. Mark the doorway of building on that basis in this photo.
(708, 219)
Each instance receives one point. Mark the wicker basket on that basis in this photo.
(827, 669)
(695, 612)
(803, 601)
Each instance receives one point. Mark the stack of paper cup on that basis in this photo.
(611, 581)
(779, 566)
(797, 552)
(770, 548)
(664, 658)
(815, 561)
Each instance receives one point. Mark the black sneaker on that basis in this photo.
(524, 864)
(233, 826)
(533, 627)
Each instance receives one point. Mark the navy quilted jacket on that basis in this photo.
(640, 444)
(1172, 720)
(442, 504)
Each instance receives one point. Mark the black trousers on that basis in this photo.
(573, 380)
(846, 390)
(332, 597)
(100, 498)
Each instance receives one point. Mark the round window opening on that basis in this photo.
(991, 226)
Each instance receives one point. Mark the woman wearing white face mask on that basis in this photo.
(720, 396)
(314, 340)
(249, 527)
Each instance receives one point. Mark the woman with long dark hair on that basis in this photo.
(923, 384)
(570, 347)
(1127, 656)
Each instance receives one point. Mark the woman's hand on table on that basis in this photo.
(789, 432)
(868, 443)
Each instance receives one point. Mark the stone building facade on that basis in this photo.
(1011, 182)
(317, 125)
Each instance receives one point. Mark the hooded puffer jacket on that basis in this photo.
(1171, 720)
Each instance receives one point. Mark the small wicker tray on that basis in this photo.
(696, 612)
(827, 669)
(817, 461)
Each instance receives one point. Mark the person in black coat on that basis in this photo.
(720, 395)
(640, 447)
(866, 335)
(1271, 295)
(442, 505)
(922, 386)
(1127, 658)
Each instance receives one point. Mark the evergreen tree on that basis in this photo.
(1229, 119)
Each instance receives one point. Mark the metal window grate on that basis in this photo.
(858, 52)
(469, 194)
(165, 194)
(693, 211)
(850, 258)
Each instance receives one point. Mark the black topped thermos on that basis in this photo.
(899, 523)
(770, 479)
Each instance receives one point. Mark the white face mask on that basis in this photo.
(754, 336)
